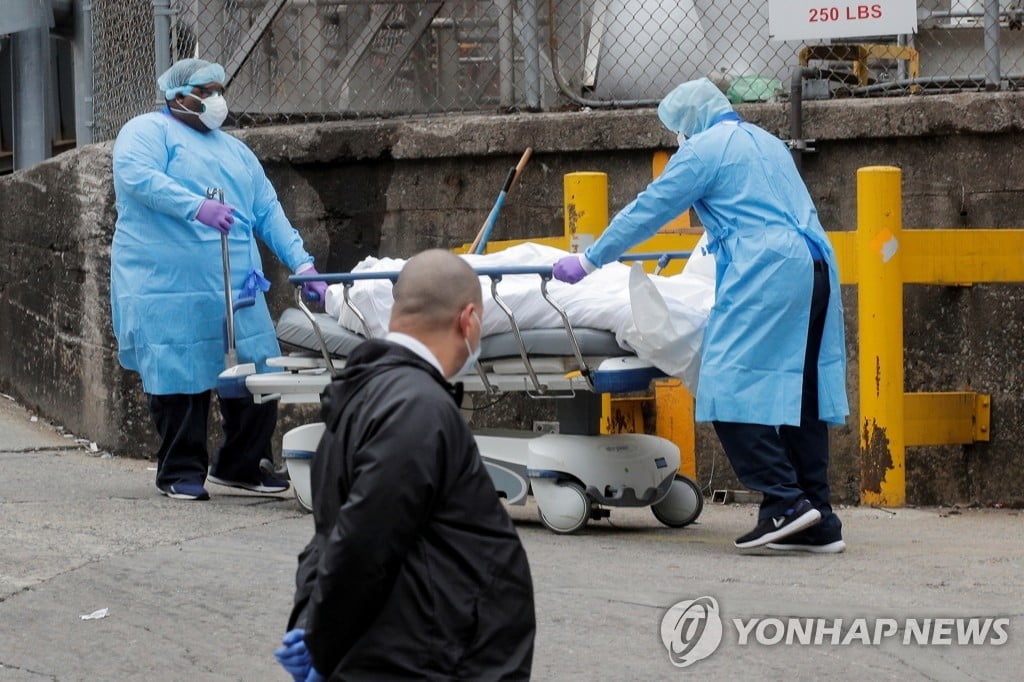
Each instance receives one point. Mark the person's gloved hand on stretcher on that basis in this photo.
(313, 291)
(572, 269)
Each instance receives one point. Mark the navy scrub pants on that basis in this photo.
(786, 463)
(181, 421)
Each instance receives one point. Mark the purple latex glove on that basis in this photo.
(216, 215)
(569, 269)
(313, 291)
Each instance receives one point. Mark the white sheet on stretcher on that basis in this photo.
(661, 319)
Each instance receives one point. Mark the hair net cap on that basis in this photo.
(187, 73)
(692, 106)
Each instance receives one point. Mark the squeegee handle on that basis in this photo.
(231, 355)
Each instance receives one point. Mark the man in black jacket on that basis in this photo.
(415, 570)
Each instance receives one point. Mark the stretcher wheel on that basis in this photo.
(681, 506)
(569, 511)
(307, 505)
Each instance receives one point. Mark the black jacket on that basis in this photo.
(415, 569)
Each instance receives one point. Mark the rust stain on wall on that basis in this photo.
(875, 457)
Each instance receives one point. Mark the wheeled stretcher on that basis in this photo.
(574, 475)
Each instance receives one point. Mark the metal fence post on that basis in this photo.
(162, 14)
(506, 56)
(31, 52)
(880, 323)
(82, 46)
(992, 75)
(531, 54)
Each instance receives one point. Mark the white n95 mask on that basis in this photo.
(215, 110)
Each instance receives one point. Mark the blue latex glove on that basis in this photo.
(294, 656)
(216, 215)
(313, 291)
(569, 269)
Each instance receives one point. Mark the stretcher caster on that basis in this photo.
(681, 505)
(564, 507)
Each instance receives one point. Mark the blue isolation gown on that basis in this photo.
(166, 273)
(761, 226)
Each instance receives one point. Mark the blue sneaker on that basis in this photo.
(184, 491)
(265, 485)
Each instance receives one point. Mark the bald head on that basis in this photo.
(432, 290)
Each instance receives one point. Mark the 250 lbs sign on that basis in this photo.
(834, 13)
(814, 19)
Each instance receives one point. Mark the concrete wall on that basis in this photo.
(395, 187)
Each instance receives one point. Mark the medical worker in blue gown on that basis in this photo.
(167, 280)
(773, 364)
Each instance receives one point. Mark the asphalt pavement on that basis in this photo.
(201, 590)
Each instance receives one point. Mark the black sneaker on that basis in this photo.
(814, 539)
(267, 485)
(799, 516)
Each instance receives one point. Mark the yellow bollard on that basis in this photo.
(674, 422)
(880, 321)
(586, 208)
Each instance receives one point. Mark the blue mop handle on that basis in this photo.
(485, 232)
(492, 217)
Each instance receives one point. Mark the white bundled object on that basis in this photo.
(669, 317)
(604, 300)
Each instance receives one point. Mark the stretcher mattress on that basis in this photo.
(295, 329)
(658, 319)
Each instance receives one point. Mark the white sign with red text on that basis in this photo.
(817, 19)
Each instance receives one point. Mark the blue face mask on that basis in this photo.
(474, 355)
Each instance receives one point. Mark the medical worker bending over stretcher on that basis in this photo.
(773, 363)
(167, 279)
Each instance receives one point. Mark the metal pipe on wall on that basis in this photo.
(31, 59)
(955, 82)
(564, 87)
(797, 144)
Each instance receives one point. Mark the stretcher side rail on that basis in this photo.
(607, 369)
(663, 259)
(539, 388)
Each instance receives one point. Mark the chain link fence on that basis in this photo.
(314, 60)
(124, 80)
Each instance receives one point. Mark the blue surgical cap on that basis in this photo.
(188, 73)
(692, 106)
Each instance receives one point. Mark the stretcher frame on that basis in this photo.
(573, 477)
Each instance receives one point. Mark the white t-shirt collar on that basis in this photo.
(417, 347)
